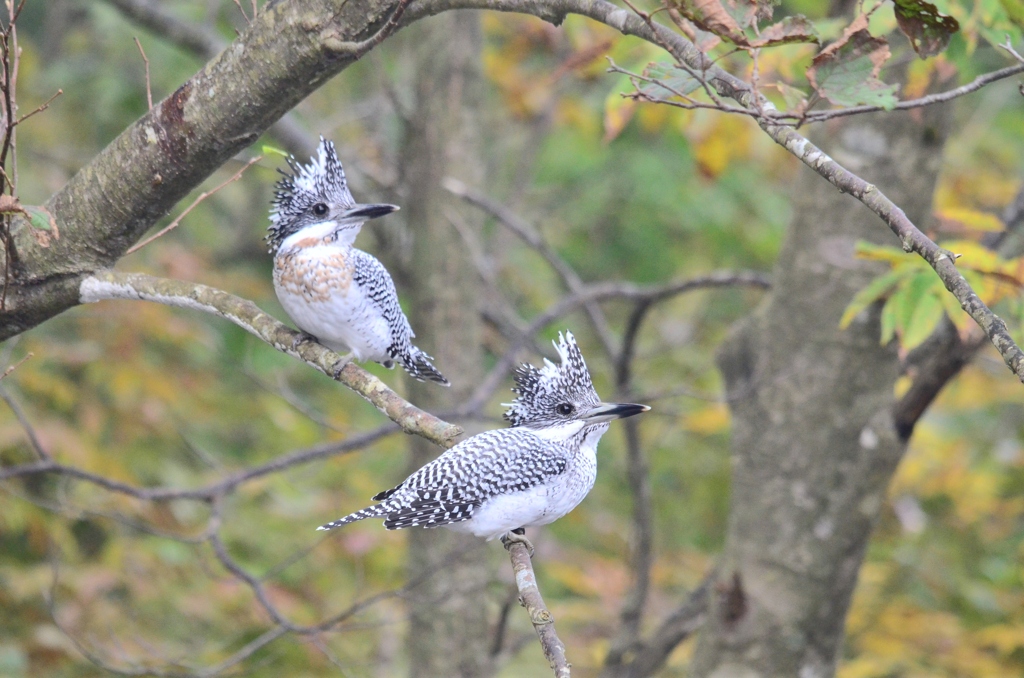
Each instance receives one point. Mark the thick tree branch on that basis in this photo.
(543, 622)
(244, 313)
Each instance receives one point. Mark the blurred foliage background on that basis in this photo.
(155, 396)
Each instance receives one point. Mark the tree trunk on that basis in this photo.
(814, 442)
(448, 624)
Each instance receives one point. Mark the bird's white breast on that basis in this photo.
(314, 283)
(543, 503)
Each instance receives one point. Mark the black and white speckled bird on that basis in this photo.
(342, 297)
(531, 474)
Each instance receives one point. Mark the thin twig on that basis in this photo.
(201, 197)
(356, 50)
(535, 241)
(242, 11)
(1008, 46)
(938, 98)
(149, 89)
(217, 488)
(19, 413)
(597, 292)
(543, 622)
(39, 109)
(728, 85)
(11, 368)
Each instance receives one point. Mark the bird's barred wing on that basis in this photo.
(372, 277)
(450, 488)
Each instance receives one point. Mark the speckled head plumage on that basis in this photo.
(553, 394)
(313, 194)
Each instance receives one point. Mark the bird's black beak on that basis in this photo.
(609, 411)
(370, 211)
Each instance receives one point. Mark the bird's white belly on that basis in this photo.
(536, 506)
(344, 321)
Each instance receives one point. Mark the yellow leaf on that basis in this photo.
(708, 420)
(617, 112)
(972, 219)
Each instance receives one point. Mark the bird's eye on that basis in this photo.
(320, 209)
(565, 409)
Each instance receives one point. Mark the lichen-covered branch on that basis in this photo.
(110, 284)
(540, 616)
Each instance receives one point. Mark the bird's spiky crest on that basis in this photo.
(541, 390)
(322, 180)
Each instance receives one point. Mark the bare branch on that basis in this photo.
(642, 537)
(212, 490)
(244, 313)
(149, 88)
(543, 622)
(19, 413)
(533, 238)
(599, 292)
(40, 108)
(1008, 46)
(201, 197)
(938, 98)
(11, 368)
(650, 657)
(152, 15)
(356, 50)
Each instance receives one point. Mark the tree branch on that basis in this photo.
(637, 472)
(543, 622)
(533, 238)
(728, 85)
(207, 493)
(599, 292)
(244, 313)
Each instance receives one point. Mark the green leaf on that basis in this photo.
(875, 290)
(911, 295)
(929, 30)
(886, 253)
(846, 72)
(40, 218)
(927, 314)
(1014, 11)
(888, 322)
(270, 150)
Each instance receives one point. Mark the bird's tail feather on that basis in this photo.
(376, 511)
(418, 365)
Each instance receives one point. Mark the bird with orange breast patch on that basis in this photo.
(336, 294)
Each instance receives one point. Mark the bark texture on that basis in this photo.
(448, 623)
(814, 440)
